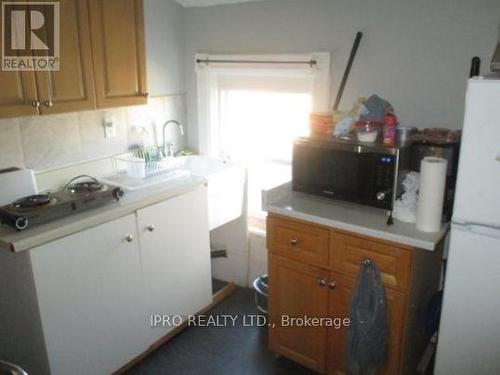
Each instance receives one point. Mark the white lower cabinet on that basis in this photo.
(175, 250)
(90, 295)
(96, 289)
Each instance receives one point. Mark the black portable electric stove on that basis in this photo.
(79, 194)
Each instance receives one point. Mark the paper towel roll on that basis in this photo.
(431, 194)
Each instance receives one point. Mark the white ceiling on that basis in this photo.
(209, 3)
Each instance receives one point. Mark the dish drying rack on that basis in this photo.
(144, 163)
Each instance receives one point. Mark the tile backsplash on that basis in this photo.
(46, 142)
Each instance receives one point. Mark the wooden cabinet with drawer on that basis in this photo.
(393, 261)
(298, 240)
(312, 273)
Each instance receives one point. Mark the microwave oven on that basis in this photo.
(368, 174)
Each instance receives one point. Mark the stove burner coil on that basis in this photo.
(83, 186)
(32, 201)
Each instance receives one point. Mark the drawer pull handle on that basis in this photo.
(129, 238)
(332, 285)
(150, 228)
(322, 282)
(294, 242)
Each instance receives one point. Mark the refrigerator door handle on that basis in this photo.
(491, 230)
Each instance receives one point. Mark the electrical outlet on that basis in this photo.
(109, 126)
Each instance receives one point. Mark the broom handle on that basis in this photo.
(354, 49)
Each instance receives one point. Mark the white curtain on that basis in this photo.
(214, 78)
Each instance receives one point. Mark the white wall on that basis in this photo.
(414, 53)
(164, 27)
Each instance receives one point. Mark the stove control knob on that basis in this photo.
(21, 223)
(118, 193)
(381, 195)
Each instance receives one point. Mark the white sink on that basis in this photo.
(226, 186)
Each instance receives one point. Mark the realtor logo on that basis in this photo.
(30, 36)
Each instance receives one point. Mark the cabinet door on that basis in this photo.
(90, 296)
(117, 29)
(17, 94)
(175, 248)
(296, 291)
(340, 302)
(72, 87)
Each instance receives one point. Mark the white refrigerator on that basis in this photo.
(469, 336)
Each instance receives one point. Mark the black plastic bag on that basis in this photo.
(367, 333)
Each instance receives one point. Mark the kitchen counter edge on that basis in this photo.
(350, 217)
(16, 242)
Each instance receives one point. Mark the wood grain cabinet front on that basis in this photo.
(18, 94)
(297, 291)
(315, 276)
(71, 88)
(117, 31)
(393, 261)
(340, 301)
(298, 241)
(102, 62)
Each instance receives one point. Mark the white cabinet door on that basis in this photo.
(175, 248)
(89, 289)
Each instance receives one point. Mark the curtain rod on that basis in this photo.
(208, 61)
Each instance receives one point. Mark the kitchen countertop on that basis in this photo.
(15, 241)
(368, 221)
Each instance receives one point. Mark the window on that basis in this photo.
(252, 112)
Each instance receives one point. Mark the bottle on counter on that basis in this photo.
(389, 129)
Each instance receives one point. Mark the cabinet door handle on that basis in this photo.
(145, 94)
(35, 103)
(129, 238)
(48, 103)
(322, 282)
(294, 242)
(332, 285)
(150, 228)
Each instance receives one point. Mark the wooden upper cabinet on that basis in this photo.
(72, 87)
(117, 33)
(17, 94)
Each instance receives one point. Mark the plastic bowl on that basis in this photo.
(367, 131)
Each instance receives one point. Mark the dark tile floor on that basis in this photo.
(237, 350)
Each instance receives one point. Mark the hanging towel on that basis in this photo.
(367, 333)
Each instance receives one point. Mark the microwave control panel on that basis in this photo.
(384, 177)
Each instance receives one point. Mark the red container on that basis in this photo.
(389, 129)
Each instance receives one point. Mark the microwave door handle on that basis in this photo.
(360, 150)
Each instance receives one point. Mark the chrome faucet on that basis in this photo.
(168, 148)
